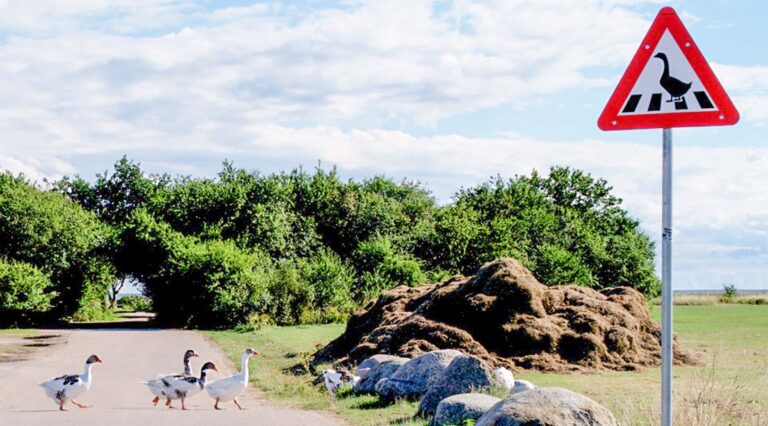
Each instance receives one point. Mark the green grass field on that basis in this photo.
(730, 387)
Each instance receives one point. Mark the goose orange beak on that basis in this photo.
(196, 354)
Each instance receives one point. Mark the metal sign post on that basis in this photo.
(668, 84)
(666, 280)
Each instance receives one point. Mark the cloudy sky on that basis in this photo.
(446, 92)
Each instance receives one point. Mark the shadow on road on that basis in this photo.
(124, 321)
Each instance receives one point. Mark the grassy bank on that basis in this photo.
(730, 387)
(281, 373)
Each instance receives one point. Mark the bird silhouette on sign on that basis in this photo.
(673, 86)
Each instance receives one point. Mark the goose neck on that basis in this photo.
(666, 66)
(87, 372)
(244, 365)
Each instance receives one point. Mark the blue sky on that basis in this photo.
(448, 93)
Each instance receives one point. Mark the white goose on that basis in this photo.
(509, 383)
(160, 386)
(229, 388)
(184, 387)
(68, 387)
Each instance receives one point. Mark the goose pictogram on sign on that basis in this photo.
(668, 84)
(673, 86)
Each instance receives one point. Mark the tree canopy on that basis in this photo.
(299, 247)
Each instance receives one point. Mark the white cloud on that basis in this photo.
(721, 210)
(178, 87)
(748, 87)
(378, 61)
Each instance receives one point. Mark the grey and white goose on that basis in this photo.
(160, 386)
(70, 386)
(185, 387)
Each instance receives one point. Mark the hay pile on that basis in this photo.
(505, 316)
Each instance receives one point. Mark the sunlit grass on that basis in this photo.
(730, 387)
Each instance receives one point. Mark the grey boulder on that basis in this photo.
(547, 407)
(383, 367)
(364, 367)
(464, 374)
(456, 409)
(416, 376)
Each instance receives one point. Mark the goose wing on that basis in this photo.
(61, 387)
(226, 388)
(181, 385)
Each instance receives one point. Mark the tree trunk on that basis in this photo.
(114, 291)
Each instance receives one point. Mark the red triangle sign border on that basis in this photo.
(725, 114)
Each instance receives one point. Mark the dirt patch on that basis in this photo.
(22, 346)
(505, 316)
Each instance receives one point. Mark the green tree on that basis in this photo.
(25, 293)
(566, 227)
(61, 239)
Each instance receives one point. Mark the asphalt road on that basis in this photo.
(118, 398)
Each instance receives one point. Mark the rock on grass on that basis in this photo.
(456, 409)
(465, 374)
(547, 407)
(383, 368)
(416, 376)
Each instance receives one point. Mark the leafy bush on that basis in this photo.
(59, 238)
(25, 293)
(135, 302)
(729, 294)
(196, 283)
(287, 248)
(332, 282)
(382, 266)
(752, 301)
(565, 227)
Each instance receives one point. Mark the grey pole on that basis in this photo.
(666, 281)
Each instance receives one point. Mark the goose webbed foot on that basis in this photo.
(183, 406)
(216, 405)
(61, 406)
(238, 405)
(81, 405)
(155, 401)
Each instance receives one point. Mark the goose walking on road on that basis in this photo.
(68, 387)
(229, 388)
(188, 386)
(160, 386)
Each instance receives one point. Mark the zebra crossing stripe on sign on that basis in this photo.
(653, 103)
(668, 84)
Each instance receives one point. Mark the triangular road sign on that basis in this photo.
(668, 84)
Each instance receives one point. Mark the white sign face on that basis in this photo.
(667, 84)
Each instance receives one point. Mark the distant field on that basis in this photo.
(731, 387)
(751, 297)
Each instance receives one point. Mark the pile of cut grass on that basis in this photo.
(730, 388)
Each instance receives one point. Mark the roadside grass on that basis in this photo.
(281, 372)
(730, 387)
